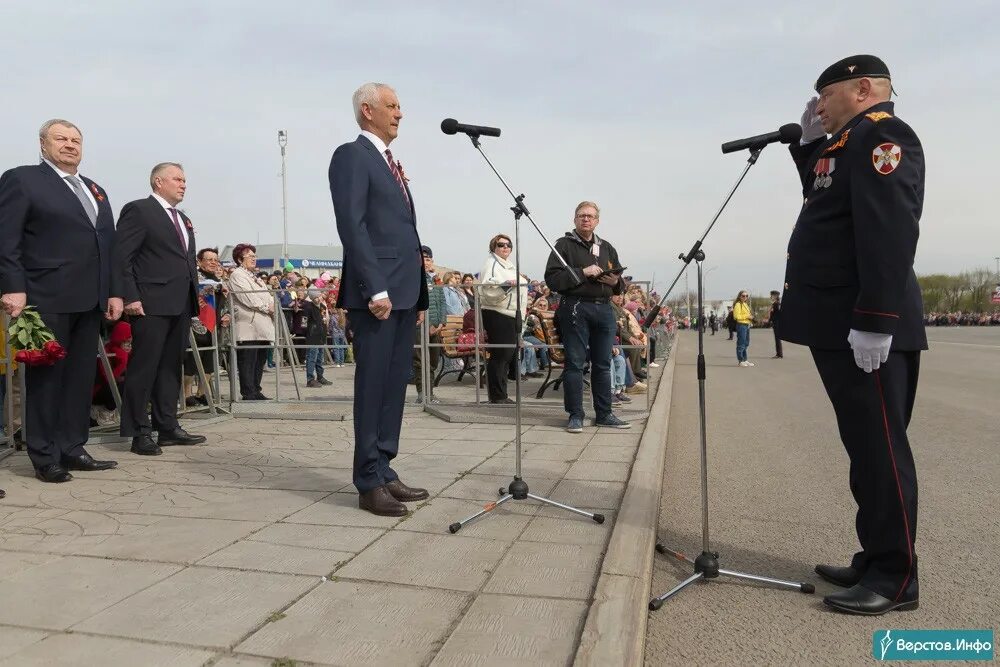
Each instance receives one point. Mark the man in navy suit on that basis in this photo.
(382, 287)
(154, 271)
(56, 232)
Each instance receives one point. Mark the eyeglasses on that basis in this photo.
(503, 245)
(587, 216)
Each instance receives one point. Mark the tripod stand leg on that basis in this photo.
(598, 518)
(657, 602)
(489, 507)
(802, 587)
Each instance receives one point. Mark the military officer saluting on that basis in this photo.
(851, 295)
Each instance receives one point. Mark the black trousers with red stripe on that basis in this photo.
(873, 411)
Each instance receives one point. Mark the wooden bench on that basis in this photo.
(449, 350)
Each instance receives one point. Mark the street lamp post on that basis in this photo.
(998, 268)
(282, 142)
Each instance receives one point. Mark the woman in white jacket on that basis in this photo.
(500, 317)
(253, 320)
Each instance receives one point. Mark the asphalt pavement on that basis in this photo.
(779, 503)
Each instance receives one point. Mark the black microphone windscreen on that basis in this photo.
(450, 126)
(790, 133)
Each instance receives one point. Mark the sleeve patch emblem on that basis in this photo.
(886, 157)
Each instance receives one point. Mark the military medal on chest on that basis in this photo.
(824, 167)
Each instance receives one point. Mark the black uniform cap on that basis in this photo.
(854, 67)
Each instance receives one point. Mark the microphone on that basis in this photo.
(786, 134)
(451, 126)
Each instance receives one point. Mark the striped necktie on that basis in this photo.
(394, 168)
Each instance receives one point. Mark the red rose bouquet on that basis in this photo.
(34, 342)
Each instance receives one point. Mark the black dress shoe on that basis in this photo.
(839, 576)
(259, 396)
(191, 401)
(3, 494)
(859, 600)
(178, 436)
(503, 401)
(87, 462)
(53, 474)
(144, 446)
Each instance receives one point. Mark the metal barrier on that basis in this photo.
(284, 344)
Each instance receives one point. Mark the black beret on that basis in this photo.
(854, 67)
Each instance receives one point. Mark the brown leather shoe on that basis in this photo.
(379, 501)
(404, 493)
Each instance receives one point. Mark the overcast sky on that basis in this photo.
(623, 103)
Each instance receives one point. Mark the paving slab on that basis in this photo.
(414, 559)
(603, 471)
(578, 493)
(178, 500)
(332, 538)
(503, 464)
(505, 630)
(359, 623)
(552, 524)
(553, 570)
(62, 650)
(201, 606)
(264, 557)
(608, 453)
(13, 640)
(60, 592)
(130, 536)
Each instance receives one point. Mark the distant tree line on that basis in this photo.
(969, 291)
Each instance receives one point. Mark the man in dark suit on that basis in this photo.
(851, 295)
(155, 272)
(383, 289)
(56, 233)
(774, 318)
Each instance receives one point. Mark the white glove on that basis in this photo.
(812, 126)
(870, 349)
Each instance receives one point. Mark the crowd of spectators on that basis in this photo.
(238, 303)
(960, 319)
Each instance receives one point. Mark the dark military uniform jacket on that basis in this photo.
(850, 256)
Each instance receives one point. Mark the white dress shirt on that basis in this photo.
(166, 206)
(63, 175)
(381, 148)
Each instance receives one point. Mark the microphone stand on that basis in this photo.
(518, 488)
(706, 565)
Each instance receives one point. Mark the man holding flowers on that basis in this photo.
(56, 233)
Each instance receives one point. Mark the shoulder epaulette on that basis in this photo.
(876, 116)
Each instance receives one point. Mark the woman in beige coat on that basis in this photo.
(253, 321)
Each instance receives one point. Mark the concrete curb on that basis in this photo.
(615, 629)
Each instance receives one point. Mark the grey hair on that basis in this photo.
(159, 168)
(43, 131)
(368, 93)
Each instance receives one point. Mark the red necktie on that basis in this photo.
(177, 226)
(395, 172)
